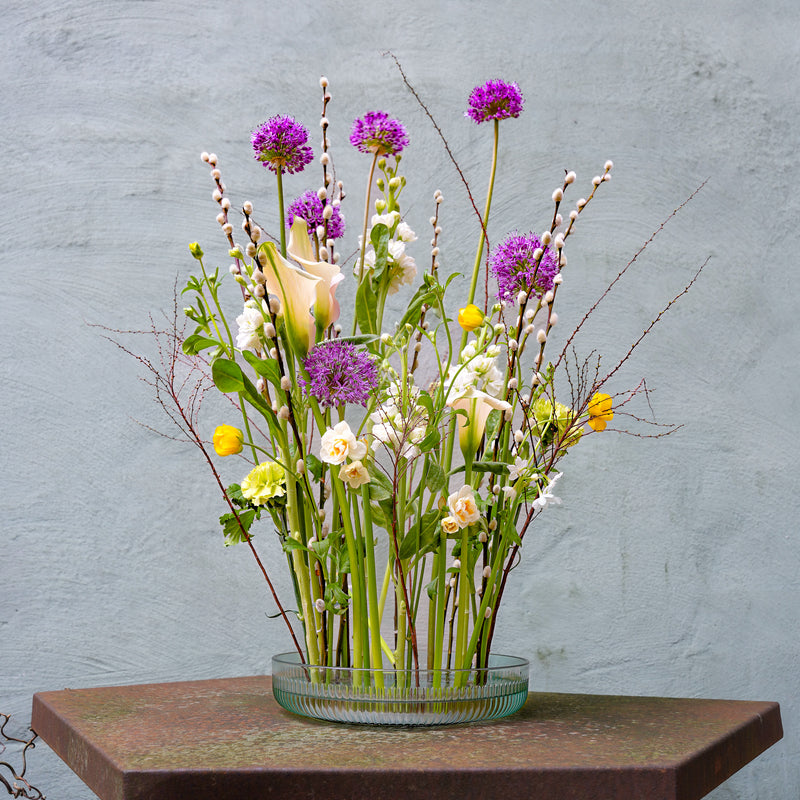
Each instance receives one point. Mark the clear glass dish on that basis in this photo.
(400, 697)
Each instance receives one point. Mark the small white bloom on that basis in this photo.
(405, 234)
(546, 496)
(449, 525)
(516, 469)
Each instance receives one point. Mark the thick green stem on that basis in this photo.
(282, 218)
(364, 229)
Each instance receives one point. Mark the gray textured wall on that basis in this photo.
(672, 567)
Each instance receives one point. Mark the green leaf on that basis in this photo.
(366, 308)
(227, 375)
(266, 367)
(233, 530)
(423, 537)
(314, 466)
(194, 343)
(379, 487)
(435, 479)
(492, 424)
(379, 236)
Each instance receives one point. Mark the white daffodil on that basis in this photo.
(463, 508)
(339, 443)
(354, 474)
(516, 469)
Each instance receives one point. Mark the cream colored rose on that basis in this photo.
(462, 507)
(450, 525)
(354, 474)
(339, 443)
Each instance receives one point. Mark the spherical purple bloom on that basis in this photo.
(309, 207)
(516, 268)
(339, 373)
(280, 143)
(494, 100)
(378, 133)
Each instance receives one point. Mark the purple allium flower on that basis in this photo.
(339, 373)
(378, 133)
(309, 207)
(494, 100)
(280, 142)
(516, 270)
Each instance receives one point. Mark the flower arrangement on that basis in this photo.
(401, 507)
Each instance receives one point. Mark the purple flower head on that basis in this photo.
(339, 373)
(280, 143)
(494, 100)
(516, 268)
(309, 207)
(378, 133)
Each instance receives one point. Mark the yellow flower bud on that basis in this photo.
(228, 440)
(600, 412)
(470, 317)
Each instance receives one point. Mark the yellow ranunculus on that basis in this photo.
(265, 481)
(228, 440)
(470, 317)
(600, 412)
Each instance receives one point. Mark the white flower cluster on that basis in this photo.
(402, 267)
(476, 372)
(400, 431)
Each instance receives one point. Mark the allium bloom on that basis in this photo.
(280, 143)
(309, 207)
(462, 507)
(516, 269)
(494, 100)
(339, 373)
(600, 411)
(264, 482)
(228, 440)
(339, 443)
(376, 132)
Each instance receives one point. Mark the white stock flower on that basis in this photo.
(403, 268)
(462, 507)
(339, 443)
(405, 234)
(251, 328)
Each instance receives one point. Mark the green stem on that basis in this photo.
(364, 229)
(372, 589)
(282, 218)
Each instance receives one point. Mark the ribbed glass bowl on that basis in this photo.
(400, 697)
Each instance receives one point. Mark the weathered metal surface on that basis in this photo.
(221, 739)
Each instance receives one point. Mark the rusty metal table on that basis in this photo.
(227, 738)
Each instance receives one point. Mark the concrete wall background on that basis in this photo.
(672, 567)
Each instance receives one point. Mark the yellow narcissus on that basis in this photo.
(600, 411)
(264, 482)
(228, 440)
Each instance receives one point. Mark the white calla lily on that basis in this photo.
(477, 406)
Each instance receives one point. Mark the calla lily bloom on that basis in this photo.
(477, 405)
(326, 308)
(298, 292)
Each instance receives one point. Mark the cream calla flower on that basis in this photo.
(326, 307)
(298, 292)
(477, 405)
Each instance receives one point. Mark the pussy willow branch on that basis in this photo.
(166, 382)
(633, 260)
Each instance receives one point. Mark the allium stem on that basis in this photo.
(364, 228)
(281, 211)
(482, 240)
